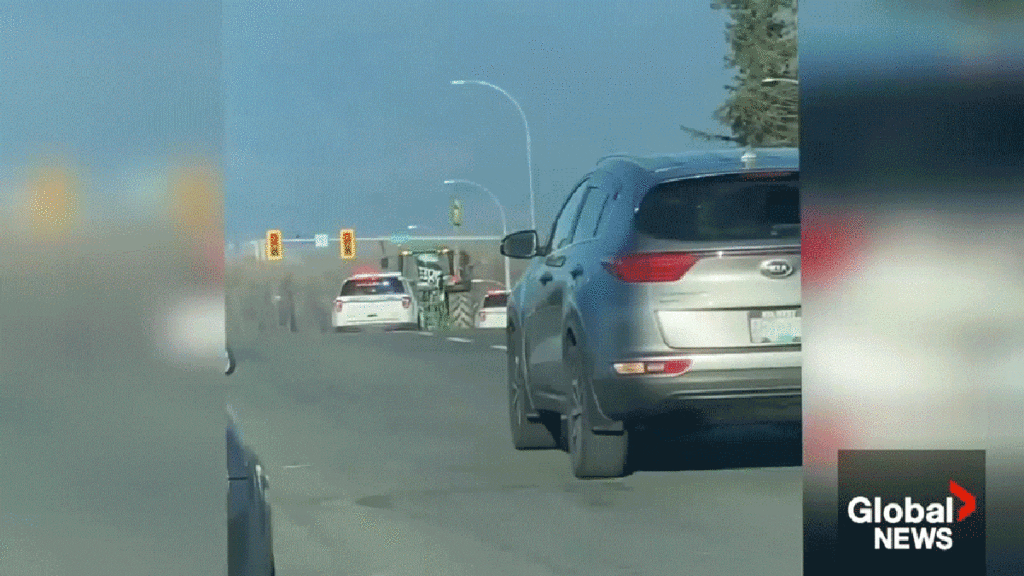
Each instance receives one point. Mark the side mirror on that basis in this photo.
(521, 245)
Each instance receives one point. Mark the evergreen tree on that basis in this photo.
(763, 44)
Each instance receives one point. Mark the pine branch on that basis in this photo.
(706, 135)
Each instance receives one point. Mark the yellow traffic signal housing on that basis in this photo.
(348, 244)
(275, 249)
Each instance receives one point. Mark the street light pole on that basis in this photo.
(504, 221)
(529, 152)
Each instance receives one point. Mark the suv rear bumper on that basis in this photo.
(706, 397)
(376, 326)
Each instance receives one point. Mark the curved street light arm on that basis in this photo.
(501, 212)
(529, 151)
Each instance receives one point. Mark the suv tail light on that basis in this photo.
(337, 305)
(406, 302)
(652, 267)
(662, 367)
(830, 245)
(483, 316)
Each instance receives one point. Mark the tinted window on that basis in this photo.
(495, 301)
(606, 208)
(590, 213)
(373, 286)
(733, 207)
(562, 234)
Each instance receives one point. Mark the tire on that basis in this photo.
(460, 311)
(590, 455)
(527, 433)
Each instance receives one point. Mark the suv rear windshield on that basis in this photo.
(752, 206)
(495, 301)
(372, 286)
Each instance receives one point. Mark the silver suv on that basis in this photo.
(669, 287)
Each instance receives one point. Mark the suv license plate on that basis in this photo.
(774, 326)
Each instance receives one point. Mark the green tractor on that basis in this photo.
(442, 289)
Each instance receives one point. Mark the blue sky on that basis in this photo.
(120, 89)
(341, 114)
(103, 79)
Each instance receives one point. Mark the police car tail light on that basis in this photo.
(337, 305)
(406, 302)
(652, 267)
(659, 367)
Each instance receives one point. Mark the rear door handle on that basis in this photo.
(546, 277)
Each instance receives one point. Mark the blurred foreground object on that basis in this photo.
(53, 202)
(914, 252)
(198, 216)
(194, 328)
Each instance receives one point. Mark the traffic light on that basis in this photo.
(275, 251)
(456, 213)
(348, 244)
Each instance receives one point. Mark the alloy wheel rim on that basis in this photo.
(516, 406)
(516, 393)
(576, 419)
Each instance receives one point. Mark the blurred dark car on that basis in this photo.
(250, 526)
(669, 289)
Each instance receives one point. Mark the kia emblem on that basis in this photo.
(776, 269)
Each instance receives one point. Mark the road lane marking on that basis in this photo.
(499, 347)
(454, 339)
(425, 333)
(289, 467)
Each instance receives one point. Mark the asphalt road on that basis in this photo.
(389, 454)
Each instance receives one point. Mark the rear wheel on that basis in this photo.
(591, 455)
(528, 431)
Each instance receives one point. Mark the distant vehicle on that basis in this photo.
(384, 300)
(493, 310)
(669, 287)
(442, 285)
(250, 525)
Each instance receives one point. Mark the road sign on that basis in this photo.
(275, 249)
(456, 212)
(399, 239)
(348, 244)
(320, 240)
